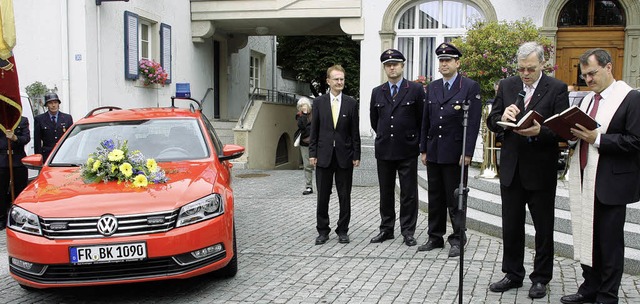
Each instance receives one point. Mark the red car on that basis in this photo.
(127, 196)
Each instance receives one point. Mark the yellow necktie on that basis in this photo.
(335, 110)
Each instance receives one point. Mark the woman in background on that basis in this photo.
(304, 128)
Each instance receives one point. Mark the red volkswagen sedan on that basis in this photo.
(127, 196)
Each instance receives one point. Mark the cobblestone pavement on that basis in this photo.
(279, 263)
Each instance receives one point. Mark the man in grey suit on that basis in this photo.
(334, 149)
(604, 178)
(528, 168)
(396, 116)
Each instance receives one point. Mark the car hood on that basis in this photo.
(61, 192)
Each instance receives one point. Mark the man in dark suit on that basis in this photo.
(604, 178)
(528, 168)
(50, 126)
(19, 138)
(334, 149)
(441, 145)
(396, 114)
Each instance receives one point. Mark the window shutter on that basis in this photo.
(130, 45)
(165, 49)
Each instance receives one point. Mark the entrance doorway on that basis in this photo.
(584, 25)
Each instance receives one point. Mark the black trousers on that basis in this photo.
(20, 179)
(443, 180)
(324, 183)
(407, 170)
(602, 279)
(541, 205)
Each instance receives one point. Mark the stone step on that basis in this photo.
(224, 130)
(484, 215)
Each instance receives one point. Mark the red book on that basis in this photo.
(525, 122)
(562, 123)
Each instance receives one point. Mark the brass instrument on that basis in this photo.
(488, 169)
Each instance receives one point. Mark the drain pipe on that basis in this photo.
(64, 33)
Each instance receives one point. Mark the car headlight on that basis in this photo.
(24, 221)
(202, 209)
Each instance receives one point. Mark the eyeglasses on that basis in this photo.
(589, 74)
(530, 69)
(337, 79)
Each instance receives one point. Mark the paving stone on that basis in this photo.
(279, 262)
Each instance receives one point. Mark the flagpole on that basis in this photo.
(11, 183)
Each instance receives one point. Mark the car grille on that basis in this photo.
(149, 268)
(136, 224)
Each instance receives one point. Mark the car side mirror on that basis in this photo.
(231, 152)
(33, 161)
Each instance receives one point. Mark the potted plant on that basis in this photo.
(36, 92)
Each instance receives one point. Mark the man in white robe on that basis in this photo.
(604, 179)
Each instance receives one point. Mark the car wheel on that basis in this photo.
(231, 269)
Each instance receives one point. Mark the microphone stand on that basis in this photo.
(461, 194)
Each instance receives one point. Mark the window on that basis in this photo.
(422, 27)
(145, 40)
(255, 71)
(591, 13)
(142, 43)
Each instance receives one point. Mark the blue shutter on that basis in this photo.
(165, 49)
(130, 45)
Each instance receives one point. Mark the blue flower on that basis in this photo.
(108, 144)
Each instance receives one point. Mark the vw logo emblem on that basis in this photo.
(107, 225)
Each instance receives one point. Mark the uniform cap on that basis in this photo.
(51, 97)
(391, 55)
(447, 50)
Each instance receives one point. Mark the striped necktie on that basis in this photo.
(584, 146)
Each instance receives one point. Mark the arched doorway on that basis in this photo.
(586, 24)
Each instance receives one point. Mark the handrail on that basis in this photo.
(271, 96)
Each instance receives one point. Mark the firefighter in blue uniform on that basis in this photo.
(441, 145)
(50, 126)
(396, 117)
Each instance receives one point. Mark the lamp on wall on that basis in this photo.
(262, 30)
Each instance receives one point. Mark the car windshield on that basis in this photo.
(161, 139)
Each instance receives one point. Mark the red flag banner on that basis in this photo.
(10, 106)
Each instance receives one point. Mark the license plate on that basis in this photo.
(108, 253)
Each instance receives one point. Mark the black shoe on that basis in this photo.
(577, 298)
(309, 190)
(454, 251)
(538, 290)
(343, 238)
(430, 245)
(381, 237)
(410, 241)
(321, 239)
(504, 285)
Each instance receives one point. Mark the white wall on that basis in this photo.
(78, 47)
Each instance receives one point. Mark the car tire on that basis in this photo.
(231, 269)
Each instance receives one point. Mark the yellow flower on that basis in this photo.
(113, 168)
(152, 165)
(96, 165)
(116, 155)
(126, 169)
(140, 181)
(90, 161)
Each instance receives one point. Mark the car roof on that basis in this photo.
(117, 114)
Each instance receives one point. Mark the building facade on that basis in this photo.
(81, 47)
